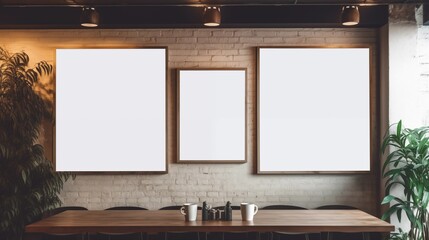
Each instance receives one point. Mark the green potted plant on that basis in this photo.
(407, 166)
(29, 186)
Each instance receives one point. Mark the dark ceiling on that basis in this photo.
(65, 14)
(196, 2)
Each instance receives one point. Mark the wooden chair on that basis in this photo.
(123, 236)
(340, 235)
(64, 236)
(179, 235)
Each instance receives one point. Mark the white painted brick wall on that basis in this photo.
(423, 70)
(409, 75)
(409, 70)
(217, 183)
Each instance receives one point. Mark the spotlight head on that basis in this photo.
(212, 16)
(89, 17)
(350, 16)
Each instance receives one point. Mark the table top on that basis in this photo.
(172, 220)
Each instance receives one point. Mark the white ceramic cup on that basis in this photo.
(248, 210)
(190, 211)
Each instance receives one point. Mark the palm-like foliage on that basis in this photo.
(28, 184)
(408, 166)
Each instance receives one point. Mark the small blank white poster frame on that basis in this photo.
(314, 110)
(111, 110)
(211, 115)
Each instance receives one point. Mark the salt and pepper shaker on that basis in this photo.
(220, 214)
(228, 212)
(212, 214)
(205, 212)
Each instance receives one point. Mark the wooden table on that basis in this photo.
(171, 220)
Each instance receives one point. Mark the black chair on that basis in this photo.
(126, 208)
(228, 235)
(64, 236)
(174, 208)
(123, 236)
(340, 235)
(287, 235)
(336, 207)
(179, 235)
(233, 207)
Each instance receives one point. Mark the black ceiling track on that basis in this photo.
(197, 2)
(129, 17)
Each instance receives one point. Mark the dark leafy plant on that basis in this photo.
(400, 235)
(407, 166)
(28, 184)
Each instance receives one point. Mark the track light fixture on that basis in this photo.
(212, 16)
(89, 17)
(350, 16)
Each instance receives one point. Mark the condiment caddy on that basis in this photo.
(209, 213)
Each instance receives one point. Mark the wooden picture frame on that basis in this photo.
(281, 138)
(136, 104)
(211, 108)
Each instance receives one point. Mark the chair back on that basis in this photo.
(171, 208)
(284, 207)
(288, 235)
(336, 207)
(175, 208)
(340, 235)
(233, 207)
(62, 209)
(125, 208)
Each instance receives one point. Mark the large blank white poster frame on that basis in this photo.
(111, 110)
(314, 110)
(211, 115)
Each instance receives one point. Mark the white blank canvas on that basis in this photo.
(212, 115)
(110, 110)
(314, 109)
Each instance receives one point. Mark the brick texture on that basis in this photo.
(409, 67)
(408, 74)
(215, 183)
(423, 70)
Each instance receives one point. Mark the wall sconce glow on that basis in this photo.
(212, 16)
(89, 17)
(350, 16)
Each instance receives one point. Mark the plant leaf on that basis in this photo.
(387, 199)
